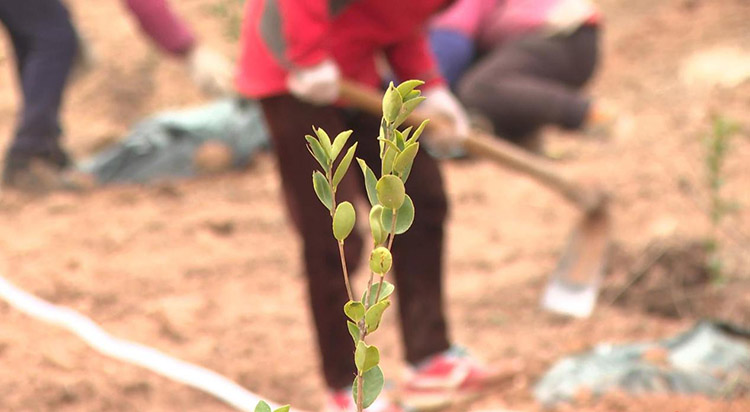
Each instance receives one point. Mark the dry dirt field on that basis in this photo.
(206, 270)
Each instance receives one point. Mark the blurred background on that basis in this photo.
(206, 269)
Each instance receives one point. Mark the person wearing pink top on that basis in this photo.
(208, 69)
(521, 64)
(46, 46)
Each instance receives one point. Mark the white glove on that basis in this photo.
(318, 84)
(442, 103)
(211, 71)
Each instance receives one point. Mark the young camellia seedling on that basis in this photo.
(391, 214)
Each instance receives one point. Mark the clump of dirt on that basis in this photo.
(671, 277)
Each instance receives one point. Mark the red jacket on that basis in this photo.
(278, 35)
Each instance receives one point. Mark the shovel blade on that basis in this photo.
(576, 301)
(574, 285)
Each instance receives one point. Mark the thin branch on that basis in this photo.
(367, 292)
(346, 271)
(380, 287)
(360, 389)
(393, 230)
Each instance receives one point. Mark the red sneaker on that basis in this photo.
(342, 401)
(444, 380)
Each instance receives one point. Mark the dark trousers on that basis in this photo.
(533, 81)
(45, 45)
(417, 253)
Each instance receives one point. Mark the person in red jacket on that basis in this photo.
(293, 55)
(46, 46)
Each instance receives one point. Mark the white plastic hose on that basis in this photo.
(131, 352)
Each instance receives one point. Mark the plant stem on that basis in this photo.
(380, 286)
(393, 230)
(360, 390)
(382, 276)
(367, 292)
(363, 334)
(346, 271)
(333, 193)
(341, 243)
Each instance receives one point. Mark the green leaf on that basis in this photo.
(379, 234)
(399, 140)
(380, 260)
(366, 357)
(413, 94)
(385, 291)
(262, 406)
(318, 153)
(405, 174)
(353, 330)
(360, 354)
(405, 159)
(389, 155)
(404, 217)
(354, 310)
(405, 88)
(386, 166)
(284, 408)
(344, 165)
(325, 141)
(375, 314)
(339, 142)
(391, 191)
(392, 145)
(382, 135)
(405, 134)
(323, 189)
(392, 102)
(370, 182)
(407, 108)
(343, 220)
(418, 132)
(371, 386)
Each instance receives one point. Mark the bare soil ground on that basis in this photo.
(207, 269)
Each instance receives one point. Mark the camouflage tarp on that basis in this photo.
(711, 359)
(163, 146)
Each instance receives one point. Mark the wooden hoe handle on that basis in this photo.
(491, 147)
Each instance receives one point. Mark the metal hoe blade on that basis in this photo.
(574, 285)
